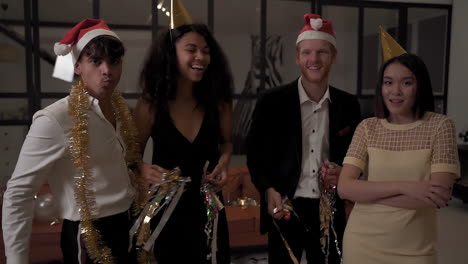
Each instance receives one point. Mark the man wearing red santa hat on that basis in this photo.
(83, 145)
(299, 136)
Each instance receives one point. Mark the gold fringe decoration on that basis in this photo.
(159, 192)
(213, 206)
(162, 197)
(79, 141)
(133, 158)
(327, 212)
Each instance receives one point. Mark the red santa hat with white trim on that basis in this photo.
(68, 50)
(317, 28)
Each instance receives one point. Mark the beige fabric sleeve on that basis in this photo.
(357, 151)
(444, 149)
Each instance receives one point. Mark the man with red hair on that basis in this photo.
(299, 136)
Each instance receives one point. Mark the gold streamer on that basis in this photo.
(158, 196)
(152, 207)
(327, 211)
(288, 210)
(286, 244)
(79, 140)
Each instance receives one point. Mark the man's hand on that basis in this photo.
(275, 204)
(330, 173)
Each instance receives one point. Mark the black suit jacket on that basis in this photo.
(274, 145)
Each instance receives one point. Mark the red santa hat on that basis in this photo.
(317, 28)
(68, 50)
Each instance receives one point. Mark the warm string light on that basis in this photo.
(161, 7)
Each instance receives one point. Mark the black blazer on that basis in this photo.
(274, 144)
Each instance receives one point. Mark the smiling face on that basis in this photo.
(193, 56)
(399, 88)
(315, 58)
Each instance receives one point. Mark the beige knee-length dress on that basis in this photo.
(411, 152)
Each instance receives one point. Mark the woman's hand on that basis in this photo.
(434, 195)
(152, 174)
(222, 165)
(219, 180)
(218, 177)
(218, 170)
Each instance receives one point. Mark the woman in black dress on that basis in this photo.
(186, 108)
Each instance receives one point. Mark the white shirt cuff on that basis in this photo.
(17, 259)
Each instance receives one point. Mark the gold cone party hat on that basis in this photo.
(390, 48)
(179, 14)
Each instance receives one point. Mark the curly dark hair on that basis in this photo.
(424, 97)
(159, 75)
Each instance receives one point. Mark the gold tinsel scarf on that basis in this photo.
(79, 143)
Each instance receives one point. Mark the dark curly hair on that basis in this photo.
(424, 97)
(158, 78)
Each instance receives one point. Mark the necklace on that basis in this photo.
(79, 141)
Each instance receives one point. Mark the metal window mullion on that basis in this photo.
(28, 58)
(403, 27)
(263, 30)
(211, 15)
(360, 50)
(96, 9)
(36, 55)
(447, 57)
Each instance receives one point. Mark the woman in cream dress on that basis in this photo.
(410, 157)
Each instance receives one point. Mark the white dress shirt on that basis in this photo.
(45, 156)
(315, 141)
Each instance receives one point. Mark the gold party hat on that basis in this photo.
(390, 48)
(179, 14)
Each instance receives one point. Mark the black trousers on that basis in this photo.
(114, 232)
(301, 234)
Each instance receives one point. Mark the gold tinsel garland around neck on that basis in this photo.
(79, 147)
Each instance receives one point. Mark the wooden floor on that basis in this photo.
(45, 244)
(452, 245)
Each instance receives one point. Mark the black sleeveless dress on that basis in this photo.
(183, 239)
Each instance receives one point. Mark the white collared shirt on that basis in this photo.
(315, 141)
(45, 156)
